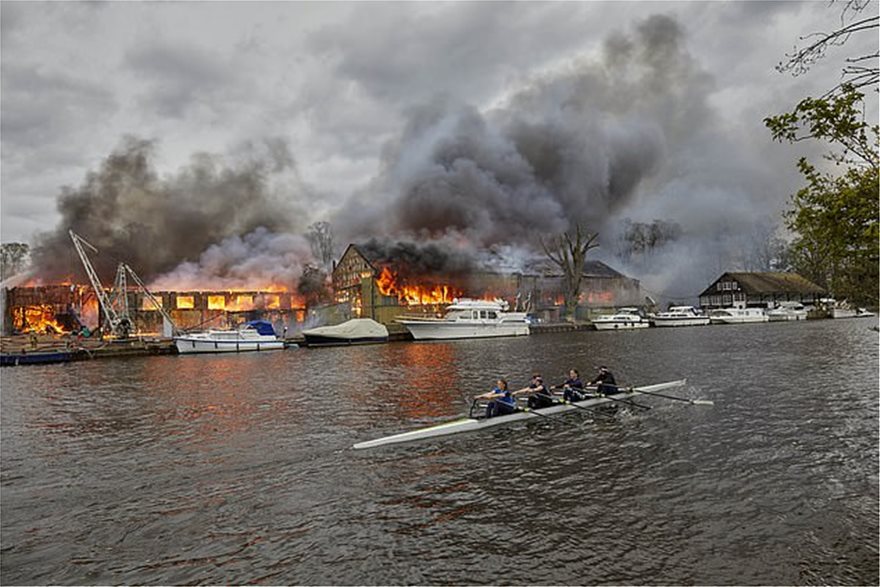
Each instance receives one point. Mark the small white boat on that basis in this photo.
(256, 335)
(468, 319)
(356, 331)
(474, 424)
(624, 319)
(680, 316)
(847, 312)
(787, 311)
(737, 315)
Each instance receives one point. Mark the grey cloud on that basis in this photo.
(182, 77)
(38, 105)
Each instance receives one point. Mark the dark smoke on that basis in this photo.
(417, 259)
(573, 147)
(155, 223)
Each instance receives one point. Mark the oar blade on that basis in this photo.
(702, 402)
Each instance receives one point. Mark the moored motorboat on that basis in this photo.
(786, 311)
(356, 331)
(256, 335)
(737, 315)
(623, 319)
(468, 319)
(475, 424)
(680, 316)
(848, 312)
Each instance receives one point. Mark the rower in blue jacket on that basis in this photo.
(502, 401)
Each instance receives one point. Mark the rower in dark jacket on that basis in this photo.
(539, 394)
(572, 388)
(605, 381)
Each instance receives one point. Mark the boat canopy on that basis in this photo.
(262, 327)
(353, 329)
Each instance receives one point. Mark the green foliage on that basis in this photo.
(835, 217)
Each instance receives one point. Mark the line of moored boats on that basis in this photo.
(630, 318)
(477, 319)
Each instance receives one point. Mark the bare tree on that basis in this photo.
(859, 71)
(569, 254)
(320, 236)
(14, 257)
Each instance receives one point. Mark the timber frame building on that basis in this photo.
(759, 290)
(356, 295)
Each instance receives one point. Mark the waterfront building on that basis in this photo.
(759, 289)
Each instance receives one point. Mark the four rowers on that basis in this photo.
(503, 401)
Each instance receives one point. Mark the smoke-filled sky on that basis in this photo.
(173, 132)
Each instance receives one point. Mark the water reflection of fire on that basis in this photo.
(412, 295)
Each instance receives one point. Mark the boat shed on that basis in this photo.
(760, 290)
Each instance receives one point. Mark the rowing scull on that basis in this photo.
(472, 424)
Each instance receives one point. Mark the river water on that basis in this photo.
(239, 469)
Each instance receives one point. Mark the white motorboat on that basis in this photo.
(357, 331)
(847, 312)
(256, 335)
(474, 424)
(624, 319)
(787, 311)
(737, 315)
(680, 316)
(468, 319)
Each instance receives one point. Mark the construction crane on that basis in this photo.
(115, 305)
(116, 323)
(123, 268)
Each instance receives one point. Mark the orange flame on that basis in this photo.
(413, 295)
(36, 319)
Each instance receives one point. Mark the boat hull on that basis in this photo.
(318, 340)
(186, 345)
(786, 316)
(737, 319)
(441, 330)
(620, 325)
(38, 358)
(847, 313)
(472, 424)
(684, 321)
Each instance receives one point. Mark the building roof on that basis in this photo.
(768, 283)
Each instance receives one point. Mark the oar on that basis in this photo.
(586, 409)
(518, 409)
(696, 402)
(623, 401)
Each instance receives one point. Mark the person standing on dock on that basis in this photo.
(605, 381)
(539, 394)
(502, 401)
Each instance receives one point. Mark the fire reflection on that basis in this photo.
(425, 386)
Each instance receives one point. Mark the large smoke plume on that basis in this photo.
(624, 136)
(219, 220)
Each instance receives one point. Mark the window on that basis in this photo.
(186, 302)
(483, 314)
(216, 302)
(493, 315)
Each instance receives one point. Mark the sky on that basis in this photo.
(420, 120)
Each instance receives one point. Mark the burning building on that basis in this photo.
(60, 309)
(371, 284)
